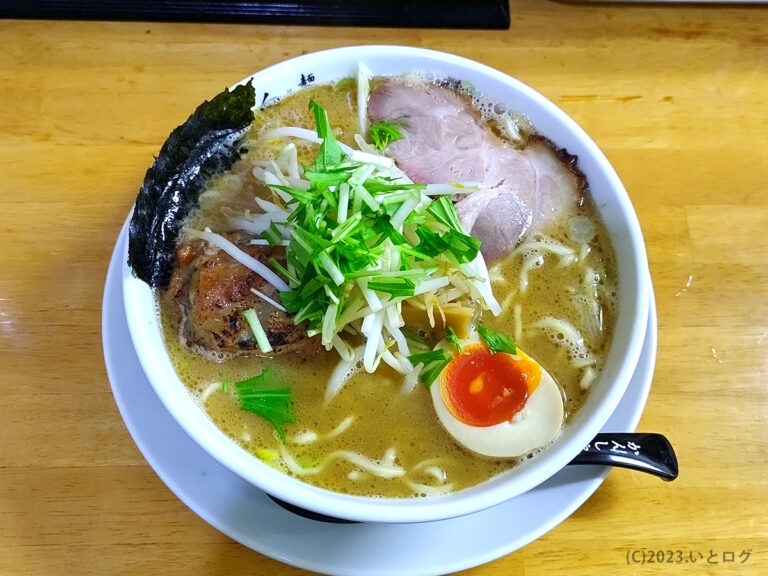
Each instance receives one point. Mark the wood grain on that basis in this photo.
(677, 97)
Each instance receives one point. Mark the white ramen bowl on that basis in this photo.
(615, 209)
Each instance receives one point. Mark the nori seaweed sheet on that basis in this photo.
(205, 144)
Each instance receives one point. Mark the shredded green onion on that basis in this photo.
(258, 331)
(497, 342)
(331, 268)
(277, 267)
(396, 286)
(452, 338)
(272, 235)
(433, 361)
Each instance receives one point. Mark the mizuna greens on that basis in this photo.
(361, 238)
(268, 397)
(384, 133)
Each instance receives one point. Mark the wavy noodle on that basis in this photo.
(583, 362)
(384, 468)
(436, 472)
(563, 334)
(309, 436)
(429, 468)
(557, 326)
(533, 252)
(342, 427)
(518, 315)
(535, 261)
(544, 244)
(304, 438)
(428, 490)
(590, 314)
(567, 261)
(587, 379)
(207, 392)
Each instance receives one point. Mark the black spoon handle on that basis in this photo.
(650, 453)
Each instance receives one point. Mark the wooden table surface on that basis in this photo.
(677, 97)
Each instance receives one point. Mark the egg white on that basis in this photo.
(535, 426)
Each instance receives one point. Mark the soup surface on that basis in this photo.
(557, 293)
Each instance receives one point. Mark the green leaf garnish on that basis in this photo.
(326, 179)
(377, 186)
(430, 243)
(361, 239)
(434, 362)
(280, 269)
(384, 133)
(298, 194)
(442, 209)
(396, 286)
(462, 246)
(497, 342)
(267, 396)
(272, 235)
(330, 152)
(452, 338)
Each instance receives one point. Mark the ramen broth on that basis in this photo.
(570, 292)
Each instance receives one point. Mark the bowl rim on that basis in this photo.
(633, 292)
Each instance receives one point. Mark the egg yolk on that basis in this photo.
(483, 389)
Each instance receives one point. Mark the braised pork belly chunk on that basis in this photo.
(214, 290)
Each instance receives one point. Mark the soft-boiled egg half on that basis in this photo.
(497, 404)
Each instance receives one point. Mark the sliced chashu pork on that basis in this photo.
(446, 140)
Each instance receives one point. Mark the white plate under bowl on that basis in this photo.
(247, 515)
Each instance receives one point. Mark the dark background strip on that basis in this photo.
(385, 13)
